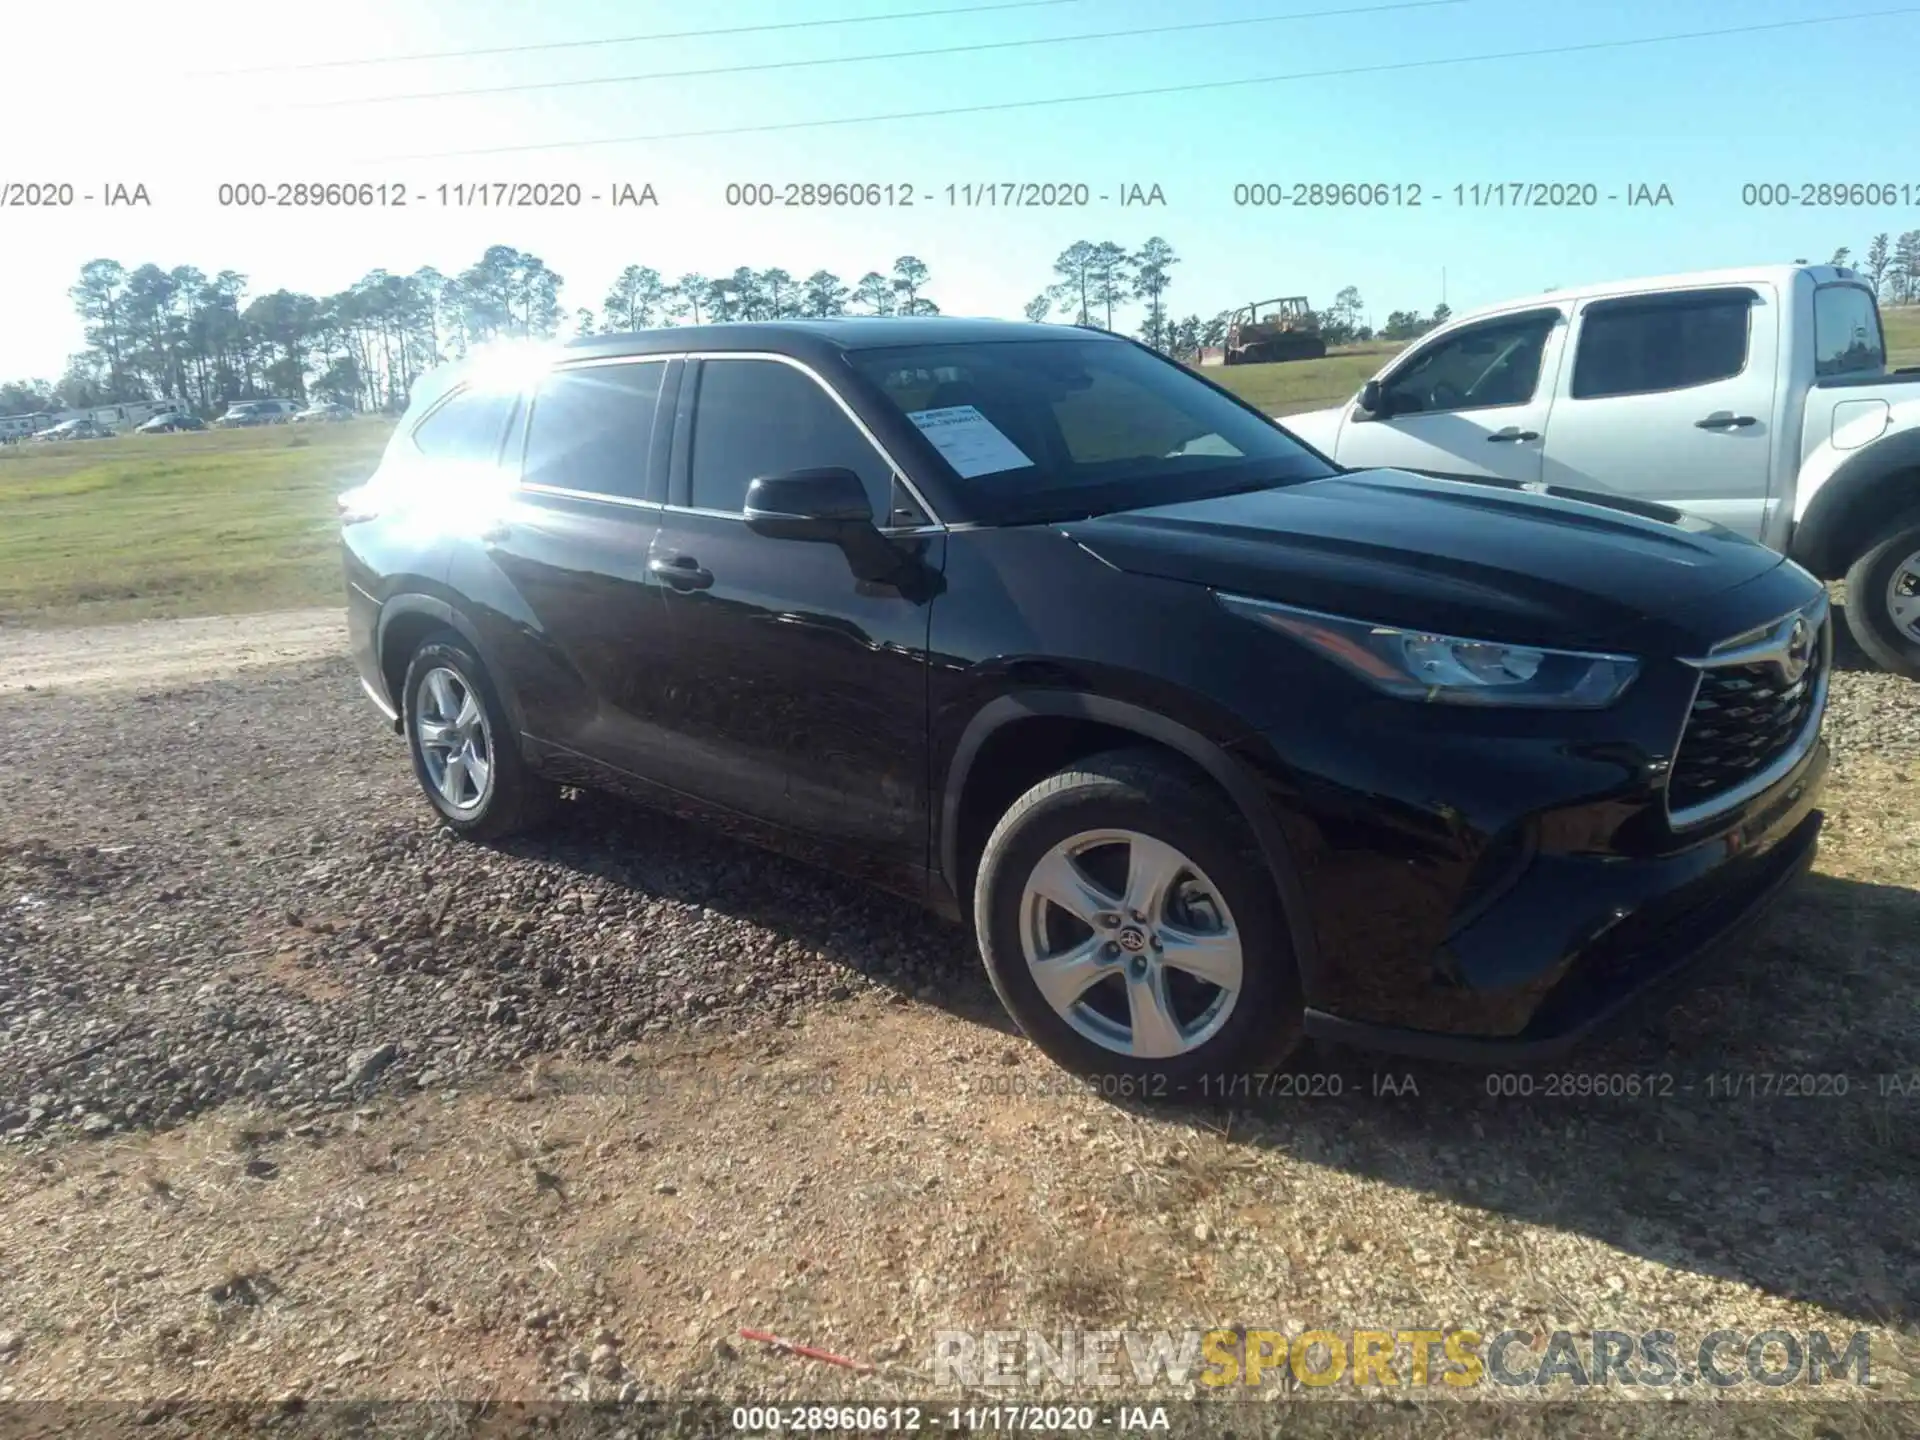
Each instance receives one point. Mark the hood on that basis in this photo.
(1319, 428)
(1483, 559)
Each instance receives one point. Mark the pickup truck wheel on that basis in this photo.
(464, 751)
(1130, 927)
(1883, 599)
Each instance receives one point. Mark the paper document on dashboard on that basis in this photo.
(968, 441)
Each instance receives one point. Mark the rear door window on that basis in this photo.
(1649, 344)
(592, 430)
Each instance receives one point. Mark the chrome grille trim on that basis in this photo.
(1765, 645)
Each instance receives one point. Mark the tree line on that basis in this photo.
(1892, 266)
(153, 333)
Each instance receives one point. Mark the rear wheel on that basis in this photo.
(1883, 599)
(1130, 927)
(465, 754)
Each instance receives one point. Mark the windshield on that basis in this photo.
(1054, 429)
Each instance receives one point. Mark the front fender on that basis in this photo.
(1233, 777)
(1319, 428)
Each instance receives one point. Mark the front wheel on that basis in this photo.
(1883, 599)
(464, 751)
(1130, 927)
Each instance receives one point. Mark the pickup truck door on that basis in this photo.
(1472, 402)
(1669, 397)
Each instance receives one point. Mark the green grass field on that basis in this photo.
(1903, 336)
(1304, 384)
(220, 522)
(229, 522)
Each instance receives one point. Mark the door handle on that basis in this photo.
(1512, 432)
(683, 572)
(1725, 420)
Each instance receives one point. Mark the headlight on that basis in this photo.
(1418, 665)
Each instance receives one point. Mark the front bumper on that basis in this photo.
(1578, 944)
(1497, 888)
(1645, 959)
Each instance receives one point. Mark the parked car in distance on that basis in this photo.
(170, 421)
(75, 430)
(323, 410)
(23, 427)
(258, 412)
(1213, 745)
(1757, 398)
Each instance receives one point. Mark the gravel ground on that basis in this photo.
(300, 1095)
(233, 889)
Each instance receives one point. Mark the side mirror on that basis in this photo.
(829, 505)
(1373, 399)
(832, 505)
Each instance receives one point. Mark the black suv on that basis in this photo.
(1211, 743)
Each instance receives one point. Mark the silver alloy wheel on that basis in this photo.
(1131, 944)
(456, 743)
(1903, 595)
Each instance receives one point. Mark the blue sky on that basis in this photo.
(1699, 116)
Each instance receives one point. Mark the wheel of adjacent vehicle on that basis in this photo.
(1131, 928)
(464, 751)
(1883, 599)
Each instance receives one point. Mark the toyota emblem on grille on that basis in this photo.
(1798, 654)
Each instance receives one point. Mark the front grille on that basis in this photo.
(1744, 718)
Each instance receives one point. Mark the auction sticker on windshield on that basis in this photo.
(968, 441)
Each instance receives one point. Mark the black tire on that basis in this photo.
(514, 798)
(1143, 792)
(1868, 615)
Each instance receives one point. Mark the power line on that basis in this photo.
(888, 55)
(1341, 73)
(534, 46)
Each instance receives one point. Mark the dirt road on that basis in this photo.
(150, 652)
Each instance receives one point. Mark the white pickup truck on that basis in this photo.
(1757, 398)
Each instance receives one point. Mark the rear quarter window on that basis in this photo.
(468, 427)
(1846, 331)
